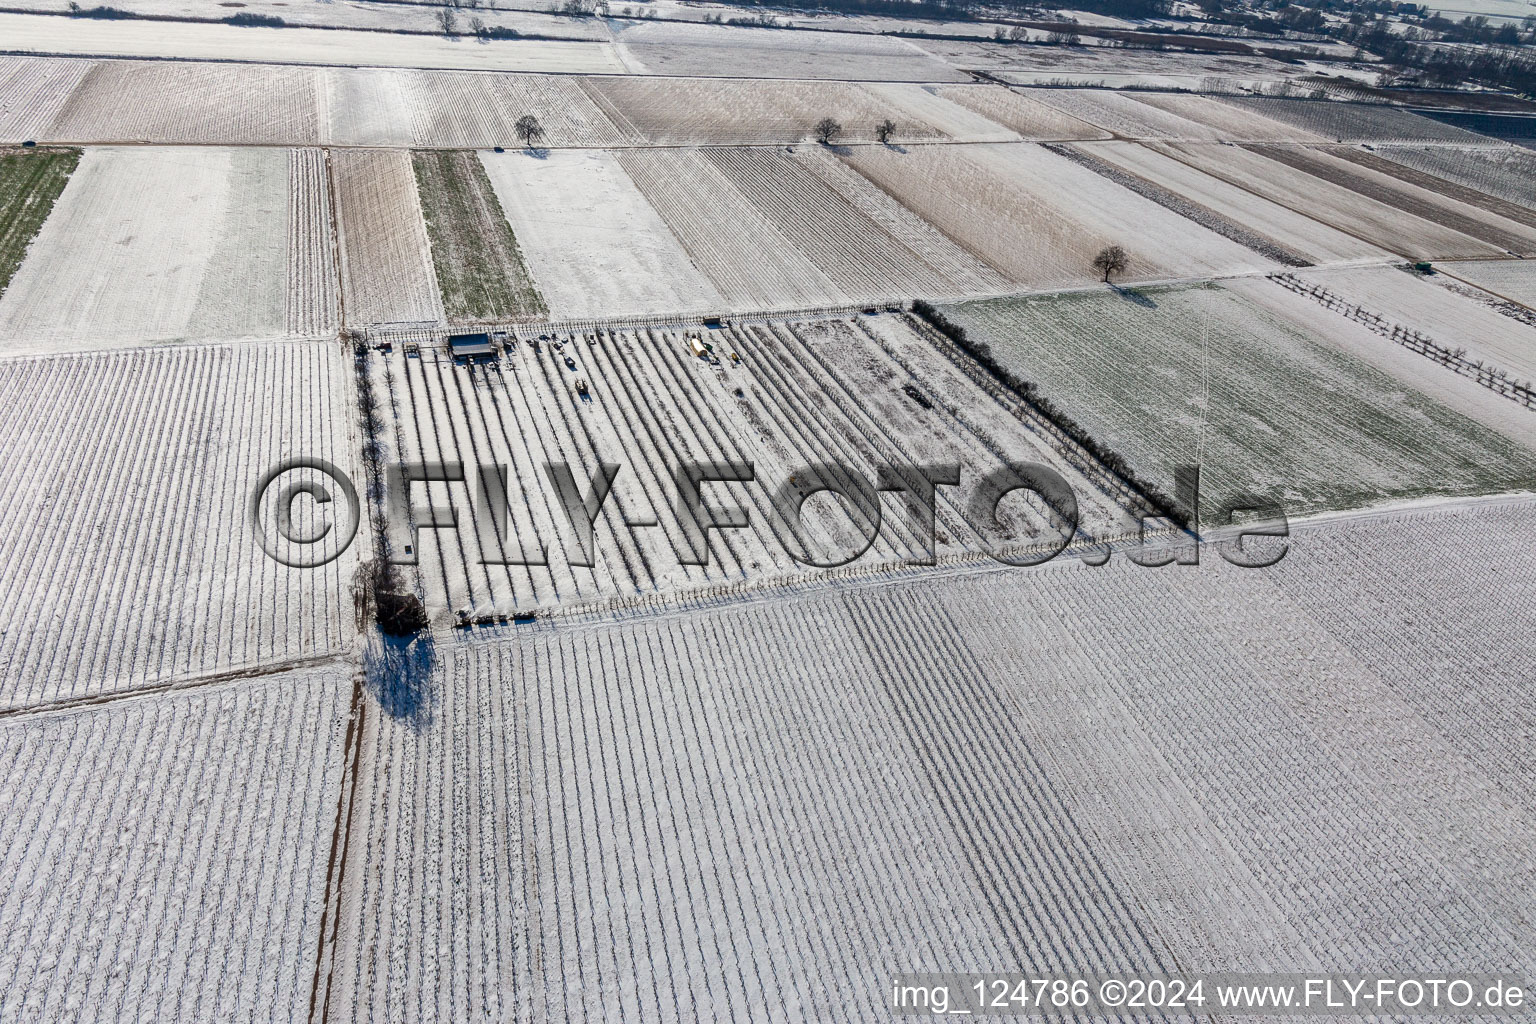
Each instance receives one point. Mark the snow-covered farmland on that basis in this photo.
(861, 391)
(1428, 305)
(32, 89)
(1507, 279)
(1040, 218)
(744, 256)
(49, 34)
(740, 799)
(128, 560)
(386, 259)
(594, 245)
(1224, 121)
(366, 106)
(479, 264)
(1024, 113)
(691, 111)
(1319, 242)
(191, 102)
(1515, 236)
(1503, 171)
(479, 110)
(1265, 405)
(854, 251)
(312, 284)
(166, 859)
(719, 51)
(156, 244)
(1343, 208)
(957, 266)
(1413, 373)
(1354, 122)
(1123, 114)
(1442, 186)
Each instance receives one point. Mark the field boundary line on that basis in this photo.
(336, 862)
(174, 685)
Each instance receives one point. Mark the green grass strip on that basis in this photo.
(480, 269)
(30, 182)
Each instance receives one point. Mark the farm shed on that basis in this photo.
(471, 348)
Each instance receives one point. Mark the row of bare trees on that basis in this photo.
(828, 131)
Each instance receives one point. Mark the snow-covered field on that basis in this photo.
(1040, 219)
(1500, 170)
(1124, 115)
(693, 111)
(596, 247)
(1508, 279)
(1514, 234)
(156, 244)
(1354, 122)
(32, 89)
(1430, 306)
(1222, 120)
(48, 34)
(1369, 219)
(742, 800)
(386, 260)
(1266, 405)
(128, 560)
(1293, 229)
(166, 859)
(1025, 114)
(186, 101)
(719, 51)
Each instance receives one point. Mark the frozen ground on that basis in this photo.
(740, 799)
(1265, 404)
(1507, 279)
(167, 858)
(156, 244)
(597, 248)
(1434, 307)
(129, 561)
(47, 34)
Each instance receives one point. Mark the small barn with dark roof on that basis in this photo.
(471, 348)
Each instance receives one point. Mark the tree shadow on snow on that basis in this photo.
(1133, 296)
(537, 152)
(398, 673)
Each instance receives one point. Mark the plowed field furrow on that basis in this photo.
(845, 244)
(311, 246)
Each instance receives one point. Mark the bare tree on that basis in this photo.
(884, 130)
(828, 131)
(528, 129)
(1110, 260)
(446, 22)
